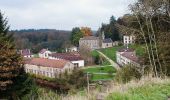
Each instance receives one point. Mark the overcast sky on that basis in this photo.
(61, 14)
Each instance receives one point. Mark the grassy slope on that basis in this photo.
(111, 52)
(148, 92)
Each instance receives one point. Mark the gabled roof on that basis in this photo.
(47, 62)
(126, 50)
(25, 52)
(67, 56)
(131, 56)
(89, 38)
(43, 50)
(108, 40)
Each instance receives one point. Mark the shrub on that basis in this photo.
(127, 73)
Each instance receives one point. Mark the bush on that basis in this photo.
(127, 73)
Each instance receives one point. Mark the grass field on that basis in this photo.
(95, 73)
(146, 92)
(111, 52)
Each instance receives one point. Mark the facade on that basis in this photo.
(73, 58)
(47, 67)
(44, 53)
(107, 43)
(26, 53)
(91, 42)
(72, 49)
(127, 56)
(128, 39)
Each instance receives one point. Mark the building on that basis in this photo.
(47, 67)
(107, 43)
(26, 53)
(127, 56)
(128, 39)
(75, 58)
(72, 49)
(91, 42)
(44, 53)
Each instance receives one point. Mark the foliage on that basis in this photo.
(146, 92)
(14, 82)
(110, 31)
(86, 31)
(127, 73)
(76, 34)
(42, 38)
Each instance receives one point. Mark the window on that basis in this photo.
(76, 65)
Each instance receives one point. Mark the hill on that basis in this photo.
(41, 38)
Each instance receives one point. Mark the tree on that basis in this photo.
(76, 34)
(12, 75)
(150, 21)
(86, 31)
(110, 30)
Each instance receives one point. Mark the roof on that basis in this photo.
(109, 40)
(89, 38)
(43, 50)
(67, 56)
(25, 52)
(47, 62)
(131, 56)
(126, 50)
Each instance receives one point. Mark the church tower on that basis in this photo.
(103, 36)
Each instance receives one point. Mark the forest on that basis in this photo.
(41, 38)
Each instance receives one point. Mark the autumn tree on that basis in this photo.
(13, 79)
(86, 31)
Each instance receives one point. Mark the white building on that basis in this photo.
(76, 59)
(44, 53)
(127, 56)
(128, 39)
(26, 53)
(72, 49)
(48, 67)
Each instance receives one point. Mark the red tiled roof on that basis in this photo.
(47, 62)
(67, 56)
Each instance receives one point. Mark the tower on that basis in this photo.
(103, 36)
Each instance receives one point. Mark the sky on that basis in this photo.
(61, 14)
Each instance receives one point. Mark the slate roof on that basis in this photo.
(67, 56)
(25, 52)
(47, 62)
(131, 56)
(126, 50)
(43, 50)
(108, 40)
(89, 38)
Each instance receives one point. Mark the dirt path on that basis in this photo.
(114, 64)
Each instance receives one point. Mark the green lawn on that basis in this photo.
(95, 73)
(111, 52)
(146, 92)
(105, 69)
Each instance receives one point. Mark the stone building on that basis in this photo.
(128, 39)
(91, 42)
(47, 67)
